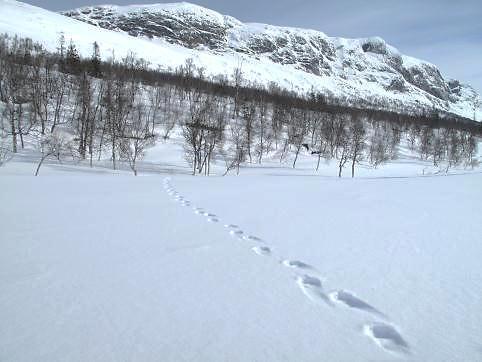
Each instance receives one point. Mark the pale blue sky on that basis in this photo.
(447, 33)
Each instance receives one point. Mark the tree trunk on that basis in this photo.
(19, 125)
(113, 153)
(41, 162)
(284, 151)
(14, 131)
(318, 164)
(194, 164)
(296, 155)
(342, 163)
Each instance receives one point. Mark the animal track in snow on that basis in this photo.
(383, 334)
(296, 264)
(231, 226)
(252, 238)
(313, 289)
(238, 233)
(352, 301)
(209, 214)
(386, 337)
(262, 250)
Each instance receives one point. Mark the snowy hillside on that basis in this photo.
(98, 265)
(353, 70)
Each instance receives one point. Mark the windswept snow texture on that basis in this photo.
(302, 266)
(356, 70)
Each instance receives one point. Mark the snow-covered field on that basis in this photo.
(273, 265)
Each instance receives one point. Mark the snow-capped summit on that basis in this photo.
(354, 67)
(187, 23)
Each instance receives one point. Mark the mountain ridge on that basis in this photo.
(364, 70)
(311, 51)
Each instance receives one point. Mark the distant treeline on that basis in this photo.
(88, 108)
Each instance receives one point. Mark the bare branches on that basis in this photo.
(54, 144)
(118, 108)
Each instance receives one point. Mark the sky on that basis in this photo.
(447, 33)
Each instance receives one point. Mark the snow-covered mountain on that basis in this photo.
(362, 67)
(301, 60)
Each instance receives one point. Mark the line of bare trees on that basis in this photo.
(67, 106)
(92, 110)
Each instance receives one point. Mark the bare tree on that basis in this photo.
(5, 152)
(357, 143)
(13, 91)
(238, 83)
(344, 154)
(297, 131)
(236, 153)
(263, 131)
(248, 116)
(136, 136)
(54, 144)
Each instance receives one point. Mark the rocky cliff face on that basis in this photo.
(353, 68)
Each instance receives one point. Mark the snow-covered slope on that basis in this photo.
(98, 265)
(354, 70)
(362, 67)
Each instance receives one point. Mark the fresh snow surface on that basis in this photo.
(275, 264)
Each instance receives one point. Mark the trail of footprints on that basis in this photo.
(383, 333)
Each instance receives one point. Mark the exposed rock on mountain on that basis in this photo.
(360, 66)
(365, 72)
